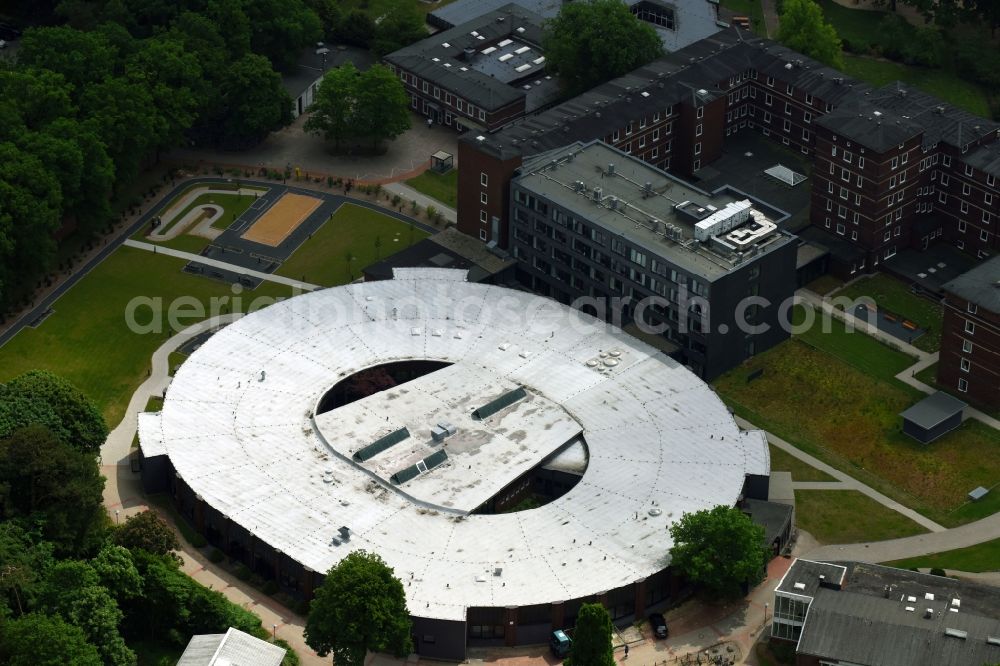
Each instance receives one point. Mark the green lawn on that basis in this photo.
(346, 244)
(749, 8)
(981, 557)
(443, 188)
(174, 361)
(824, 284)
(895, 296)
(86, 339)
(859, 26)
(848, 516)
(939, 82)
(858, 350)
(849, 418)
(782, 461)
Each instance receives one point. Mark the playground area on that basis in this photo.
(281, 219)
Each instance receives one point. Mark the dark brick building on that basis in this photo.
(970, 337)
(480, 75)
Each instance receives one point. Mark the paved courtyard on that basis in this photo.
(405, 156)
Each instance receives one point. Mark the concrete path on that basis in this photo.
(821, 485)
(215, 263)
(769, 9)
(171, 228)
(849, 483)
(907, 376)
(410, 194)
(971, 534)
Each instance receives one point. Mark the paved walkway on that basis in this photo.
(410, 194)
(907, 376)
(215, 263)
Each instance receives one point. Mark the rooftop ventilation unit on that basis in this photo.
(578, 186)
(731, 216)
(613, 203)
(381, 444)
(611, 168)
(598, 192)
(956, 633)
(929, 613)
(345, 533)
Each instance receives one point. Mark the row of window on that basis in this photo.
(459, 103)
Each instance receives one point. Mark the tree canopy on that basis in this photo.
(588, 43)
(804, 30)
(43, 640)
(592, 644)
(146, 531)
(370, 104)
(719, 549)
(42, 398)
(360, 606)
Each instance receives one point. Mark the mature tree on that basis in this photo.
(23, 563)
(592, 638)
(360, 606)
(39, 97)
(399, 28)
(357, 29)
(719, 549)
(591, 42)
(371, 104)
(116, 571)
(280, 29)
(230, 15)
(329, 15)
(253, 102)
(804, 30)
(53, 488)
(40, 640)
(146, 531)
(39, 397)
(174, 80)
(333, 104)
(72, 590)
(81, 57)
(383, 108)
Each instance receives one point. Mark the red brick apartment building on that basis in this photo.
(970, 339)
(893, 168)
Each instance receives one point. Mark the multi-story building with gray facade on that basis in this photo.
(632, 244)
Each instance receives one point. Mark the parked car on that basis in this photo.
(658, 625)
(560, 643)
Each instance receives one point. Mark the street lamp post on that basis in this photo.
(274, 631)
(116, 516)
(765, 613)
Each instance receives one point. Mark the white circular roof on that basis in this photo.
(238, 425)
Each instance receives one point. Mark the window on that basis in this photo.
(483, 178)
(988, 199)
(482, 216)
(697, 129)
(770, 81)
(697, 163)
(942, 197)
(786, 125)
(788, 108)
(460, 104)
(905, 158)
(789, 89)
(961, 226)
(960, 245)
(482, 114)
(833, 152)
(984, 235)
(946, 160)
(963, 385)
(845, 175)
(642, 141)
(768, 99)
(966, 347)
(843, 193)
(642, 122)
(841, 228)
(857, 199)
(964, 206)
(945, 179)
(628, 128)
(894, 163)
(809, 100)
(697, 148)
(482, 234)
(700, 113)
(807, 117)
(968, 170)
(437, 93)
(970, 327)
(966, 190)
(829, 186)
(972, 308)
(767, 116)
(892, 182)
(842, 212)
(656, 134)
(482, 198)
(424, 87)
(848, 156)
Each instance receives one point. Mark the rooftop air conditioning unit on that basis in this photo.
(597, 194)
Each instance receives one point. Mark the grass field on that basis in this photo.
(786, 462)
(849, 418)
(824, 284)
(854, 348)
(981, 557)
(444, 188)
(939, 82)
(848, 516)
(86, 339)
(895, 296)
(346, 243)
(150, 653)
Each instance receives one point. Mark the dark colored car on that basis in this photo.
(658, 625)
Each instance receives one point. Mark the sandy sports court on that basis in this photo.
(281, 219)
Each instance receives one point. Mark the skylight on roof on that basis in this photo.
(436, 59)
(644, 93)
(523, 49)
(446, 45)
(521, 68)
(488, 50)
(505, 42)
(505, 57)
(539, 60)
(520, 29)
(474, 33)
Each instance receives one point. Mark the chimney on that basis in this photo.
(929, 613)
(597, 194)
(611, 169)
(469, 52)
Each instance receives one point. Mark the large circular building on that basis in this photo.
(410, 416)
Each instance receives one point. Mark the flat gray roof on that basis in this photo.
(933, 410)
(553, 175)
(981, 285)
